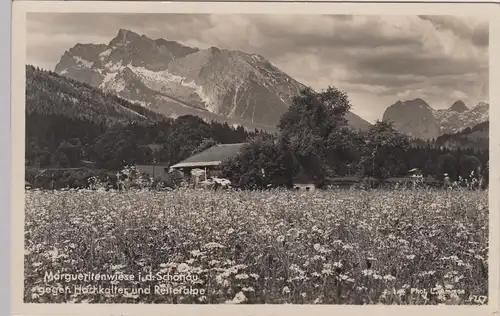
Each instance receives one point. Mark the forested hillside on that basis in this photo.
(49, 94)
(476, 137)
(68, 121)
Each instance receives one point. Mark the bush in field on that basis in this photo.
(421, 246)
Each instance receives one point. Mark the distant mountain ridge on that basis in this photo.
(173, 79)
(418, 119)
(453, 121)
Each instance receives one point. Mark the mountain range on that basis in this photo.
(172, 79)
(231, 86)
(418, 119)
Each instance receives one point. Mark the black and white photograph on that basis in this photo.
(270, 158)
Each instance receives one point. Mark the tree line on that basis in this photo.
(60, 142)
(313, 138)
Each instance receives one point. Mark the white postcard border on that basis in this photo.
(20, 8)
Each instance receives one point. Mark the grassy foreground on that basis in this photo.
(327, 247)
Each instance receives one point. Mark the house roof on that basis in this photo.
(150, 166)
(212, 156)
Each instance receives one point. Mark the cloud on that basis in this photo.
(468, 29)
(377, 60)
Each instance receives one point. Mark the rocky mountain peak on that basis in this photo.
(124, 36)
(413, 117)
(417, 102)
(177, 49)
(458, 106)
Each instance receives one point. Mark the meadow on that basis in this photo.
(403, 246)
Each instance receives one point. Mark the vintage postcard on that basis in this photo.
(265, 158)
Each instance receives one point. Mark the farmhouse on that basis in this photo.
(210, 159)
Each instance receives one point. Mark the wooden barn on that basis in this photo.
(210, 159)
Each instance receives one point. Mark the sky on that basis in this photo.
(377, 60)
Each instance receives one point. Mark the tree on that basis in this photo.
(204, 145)
(429, 168)
(315, 130)
(60, 160)
(447, 164)
(264, 162)
(117, 148)
(344, 151)
(401, 170)
(71, 153)
(469, 167)
(384, 149)
(188, 132)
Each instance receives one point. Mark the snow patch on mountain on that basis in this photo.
(105, 54)
(114, 66)
(161, 77)
(108, 78)
(160, 80)
(141, 103)
(210, 104)
(83, 62)
(235, 100)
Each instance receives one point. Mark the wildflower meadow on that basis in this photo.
(344, 246)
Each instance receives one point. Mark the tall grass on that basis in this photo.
(423, 246)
